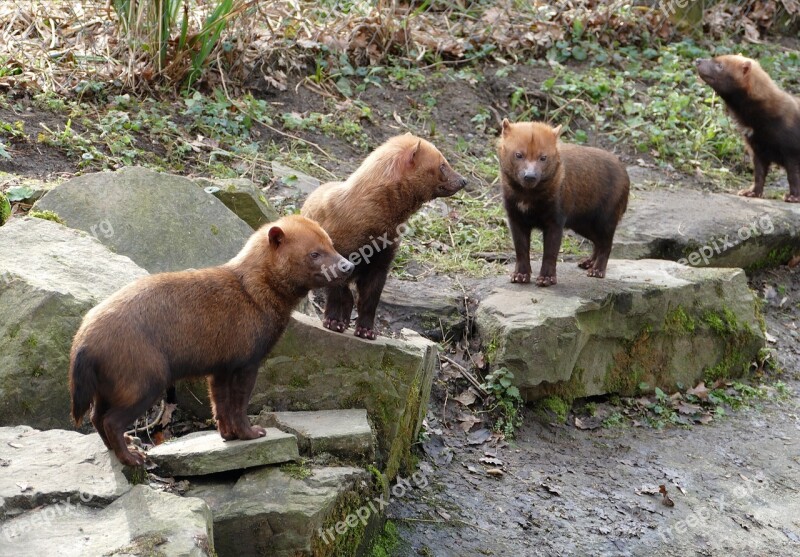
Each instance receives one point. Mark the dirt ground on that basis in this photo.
(735, 483)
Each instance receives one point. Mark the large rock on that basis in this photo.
(312, 368)
(708, 229)
(241, 196)
(434, 307)
(43, 467)
(141, 522)
(161, 221)
(653, 322)
(280, 513)
(50, 276)
(205, 452)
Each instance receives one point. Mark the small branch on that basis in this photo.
(471, 378)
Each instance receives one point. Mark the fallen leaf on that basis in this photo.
(479, 436)
(468, 421)
(700, 391)
(166, 417)
(647, 490)
(496, 472)
(15, 446)
(688, 409)
(704, 419)
(467, 397)
(794, 261)
(443, 513)
(662, 489)
(770, 339)
(491, 460)
(551, 489)
(590, 422)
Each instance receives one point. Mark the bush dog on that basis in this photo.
(218, 322)
(550, 185)
(365, 217)
(769, 116)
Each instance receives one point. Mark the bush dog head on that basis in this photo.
(529, 151)
(364, 216)
(218, 322)
(730, 73)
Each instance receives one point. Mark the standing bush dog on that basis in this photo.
(364, 216)
(770, 117)
(218, 322)
(550, 185)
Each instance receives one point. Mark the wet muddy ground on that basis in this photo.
(734, 483)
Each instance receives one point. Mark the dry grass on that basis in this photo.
(60, 45)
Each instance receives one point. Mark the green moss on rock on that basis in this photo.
(46, 215)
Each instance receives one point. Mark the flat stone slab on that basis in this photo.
(161, 221)
(206, 452)
(142, 522)
(275, 512)
(50, 276)
(649, 322)
(434, 307)
(708, 229)
(312, 368)
(344, 433)
(43, 467)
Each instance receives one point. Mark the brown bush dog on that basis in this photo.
(218, 322)
(769, 116)
(365, 217)
(550, 185)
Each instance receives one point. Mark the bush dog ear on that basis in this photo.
(557, 131)
(276, 236)
(746, 67)
(414, 153)
(506, 126)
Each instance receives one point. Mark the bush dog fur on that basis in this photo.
(770, 117)
(218, 322)
(364, 216)
(550, 185)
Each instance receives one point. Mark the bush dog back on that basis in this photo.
(364, 216)
(550, 185)
(770, 117)
(218, 322)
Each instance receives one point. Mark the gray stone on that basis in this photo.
(161, 221)
(50, 276)
(205, 452)
(344, 433)
(241, 196)
(270, 512)
(141, 522)
(312, 368)
(433, 307)
(43, 467)
(649, 321)
(694, 226)
(294, 179)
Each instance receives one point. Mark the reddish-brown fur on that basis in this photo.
(364, 216)
(550, 185)
(770, 117)
(218, 322)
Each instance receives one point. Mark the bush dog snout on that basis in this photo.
(364, 216)
(770, 117)
(550, 185)
(218, 322)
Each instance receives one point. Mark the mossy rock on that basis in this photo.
(649, 321)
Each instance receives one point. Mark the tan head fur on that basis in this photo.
(528, 152)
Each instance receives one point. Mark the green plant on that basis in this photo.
(505, 400)
(164, 33)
